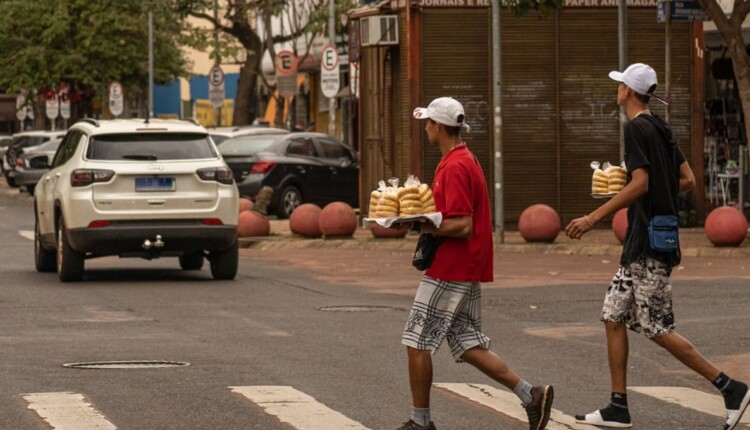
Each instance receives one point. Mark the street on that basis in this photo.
(327, 323)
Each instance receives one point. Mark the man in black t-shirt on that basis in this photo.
(640, 295)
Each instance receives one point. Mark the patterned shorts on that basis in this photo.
(641, 297)
(444, 309)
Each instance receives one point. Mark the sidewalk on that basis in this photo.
(600, 241)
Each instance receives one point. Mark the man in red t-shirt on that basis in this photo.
(447, 304)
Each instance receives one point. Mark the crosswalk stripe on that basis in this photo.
(712, 404)
(508, 404)
(26, 234)
(296, 408)
(67, 411)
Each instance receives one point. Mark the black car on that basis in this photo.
(300, 167)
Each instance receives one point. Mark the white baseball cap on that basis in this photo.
(640, 78)
(445, 110)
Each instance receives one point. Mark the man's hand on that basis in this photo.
(578, 227)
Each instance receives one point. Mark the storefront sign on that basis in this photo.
(682, 11)
(609, 3)
(455, 3)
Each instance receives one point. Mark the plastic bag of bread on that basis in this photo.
(600, 180)
(388, 200)
(617, 177)
(428, 201)
(408, 197)
(375, 199)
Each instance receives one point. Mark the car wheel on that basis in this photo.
(44, 260)
(289, 199)
(69, 261)
(11, 181)
(192, 261)
(224, 263)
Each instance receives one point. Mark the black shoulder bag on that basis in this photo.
(427, 247)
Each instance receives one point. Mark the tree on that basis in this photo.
(730, 29)
(86, 45)
(304, 20)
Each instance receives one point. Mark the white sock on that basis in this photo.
(421, 416)
(523, 391)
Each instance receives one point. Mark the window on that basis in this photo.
(150, 147)
(67, 148)
(334, 150)
(303, 147)
(246, 146)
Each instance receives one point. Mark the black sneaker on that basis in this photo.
(541, 404)
(736, 399)
(619, 420)
(411, 425)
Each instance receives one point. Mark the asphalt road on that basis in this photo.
(269, 328)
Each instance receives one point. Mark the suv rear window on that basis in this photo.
(150, 147)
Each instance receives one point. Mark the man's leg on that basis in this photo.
(735, 393)
(420, 376)
(617, 354)
(536, 400)
(686, 352)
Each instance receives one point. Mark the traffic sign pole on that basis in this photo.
(331, 99)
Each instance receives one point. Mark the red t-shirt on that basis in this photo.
(460, 190)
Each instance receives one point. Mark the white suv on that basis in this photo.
(136, 188)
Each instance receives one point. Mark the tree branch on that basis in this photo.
(211, 20)
(739, 12)
(717, 15)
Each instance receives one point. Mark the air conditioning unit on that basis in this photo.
(379, 30)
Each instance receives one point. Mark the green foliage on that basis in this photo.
(87, 44)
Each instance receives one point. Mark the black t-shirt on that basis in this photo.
(650, 145)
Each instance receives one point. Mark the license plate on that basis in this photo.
(154, 184)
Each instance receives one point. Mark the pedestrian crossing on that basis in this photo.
(301, 411)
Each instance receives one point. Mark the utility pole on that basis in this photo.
(217, 52)
(668, 54)
(622, 21)
(150, 108)
(498, 122)
(332, 38)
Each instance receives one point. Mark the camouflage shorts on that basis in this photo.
(640, 296)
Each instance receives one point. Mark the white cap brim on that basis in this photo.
(616, 76)
(420, 113)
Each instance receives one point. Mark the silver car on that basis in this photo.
(220, 134)
(22, 142)
(33, 163)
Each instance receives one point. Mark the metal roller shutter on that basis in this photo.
(459, 64)
(529, 113)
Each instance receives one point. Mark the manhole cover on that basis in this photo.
(358, 308)
(146, 364)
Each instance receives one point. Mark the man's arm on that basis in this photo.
(637, 187)
(687, 178)
(461, 227)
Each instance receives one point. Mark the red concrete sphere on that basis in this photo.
(338, 219)
(245, 204)
(539, 223)
(251, 224)
(387, 233)
(726, 226)
(620, 224)
(305, 220)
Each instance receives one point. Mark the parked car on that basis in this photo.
(300, 167)
(4, 142)
(33, 163)
(220, 134)
(21, 142)
(136, 188)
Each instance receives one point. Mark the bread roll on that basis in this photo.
(410, 204)
(411, 211)
(617, 181)
(600, 190)
(429, 209)
(407, 190)
(407, 197)
(385, 214)
(616, 188)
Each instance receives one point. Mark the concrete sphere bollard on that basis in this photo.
(245, 204)
(338, 219)
(726, 226)
(387, 233)
(305, 220)
(251, 224)
(620, 224)
(539, 223)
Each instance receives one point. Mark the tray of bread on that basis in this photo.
(391, 205)
(608, 180)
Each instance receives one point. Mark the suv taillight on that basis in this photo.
(262, 167)
(83, 177)
(222, 175)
